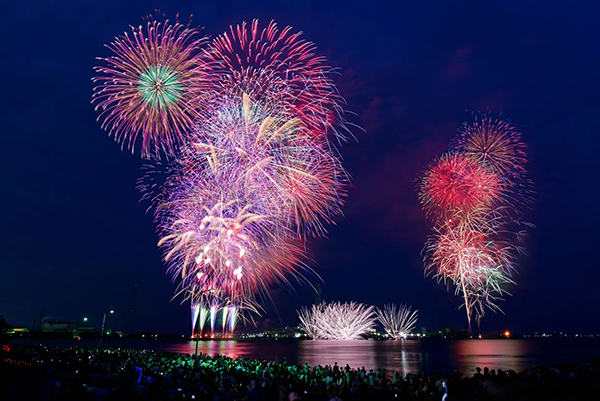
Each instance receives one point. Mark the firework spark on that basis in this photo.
(398, 321)
(147, 86)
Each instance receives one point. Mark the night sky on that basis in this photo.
(75, 238)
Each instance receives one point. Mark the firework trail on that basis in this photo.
(203, 318)
(148, 86)
(225, 311)
(195, 310)
(277, 65)
(337, 321)
(398, 321)
(214, 310)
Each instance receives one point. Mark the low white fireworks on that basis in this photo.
(337, 321)
(398, 321)
(308, 323)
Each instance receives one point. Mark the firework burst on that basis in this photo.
(225, 217)
(270, 160)
(475, 258)
(253, 173)
(494, 143)
(147, 87)
(398, 321)
(454, 184)
(475, 193)
(277, 65)
(224, 251)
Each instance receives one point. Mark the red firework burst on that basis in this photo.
(457, 183)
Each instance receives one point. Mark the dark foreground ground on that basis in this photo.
(36, 372)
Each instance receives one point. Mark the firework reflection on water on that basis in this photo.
(400, 356)
(408, 356)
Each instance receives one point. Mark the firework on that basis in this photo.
(474, 194)
(308, 321)
(338, 321)
(147, 87)
(233, 318)
(398, 321)
(224, 251)
(253, 173)
(214, 310)
(475, 258)
(271, 160)
(458, 184)
(277, 65)
(494, 143)
(227, 249)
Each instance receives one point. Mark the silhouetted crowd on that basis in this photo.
(37, 372)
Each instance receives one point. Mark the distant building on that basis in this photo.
(66, 327)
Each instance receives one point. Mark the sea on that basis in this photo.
(425, 355)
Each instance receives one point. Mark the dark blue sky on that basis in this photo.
(74, 238)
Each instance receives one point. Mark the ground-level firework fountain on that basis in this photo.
(398, 322)
(337, 321)
(351, 321)
(201, 314)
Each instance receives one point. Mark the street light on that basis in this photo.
(85, 319)
(103, 322)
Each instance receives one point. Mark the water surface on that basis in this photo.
(404, 356)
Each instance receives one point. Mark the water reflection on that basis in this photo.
(403, 356)
(512, 354)
(277, 351)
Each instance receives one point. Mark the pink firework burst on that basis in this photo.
(279, 65)
(222, 248)
(274, 160)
